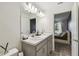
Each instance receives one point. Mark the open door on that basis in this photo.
(74, 30)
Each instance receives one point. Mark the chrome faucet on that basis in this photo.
(5, 48)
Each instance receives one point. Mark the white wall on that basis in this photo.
(25, 23)
(74, 29)
(10, 24)
(45, 23)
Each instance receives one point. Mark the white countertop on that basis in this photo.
(36, 39)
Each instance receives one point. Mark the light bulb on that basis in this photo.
(30, 5)
(41, 14)
(32, 9)
(25, 6)
(35, 10)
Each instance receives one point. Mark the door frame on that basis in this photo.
(54, 27)
(74, 46)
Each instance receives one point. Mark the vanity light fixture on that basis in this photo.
(35, 10)
(30, 8)
(41, 14)
(25, 6)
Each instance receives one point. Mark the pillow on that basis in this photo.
(58, 29)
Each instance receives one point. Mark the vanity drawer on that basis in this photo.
(41, 44)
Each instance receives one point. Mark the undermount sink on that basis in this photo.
(37, 37)
(33, 40)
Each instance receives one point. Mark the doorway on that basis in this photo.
(62, 34)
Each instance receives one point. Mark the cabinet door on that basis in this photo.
(28, 50)
(42, 51)
(49, 46)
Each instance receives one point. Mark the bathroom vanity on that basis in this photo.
(38, 45)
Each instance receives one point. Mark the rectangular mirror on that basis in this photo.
(33, 25)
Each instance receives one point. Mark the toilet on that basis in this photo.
(12, 52)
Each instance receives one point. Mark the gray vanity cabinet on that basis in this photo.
(42, 49)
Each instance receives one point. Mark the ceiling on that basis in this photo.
(53, 7)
